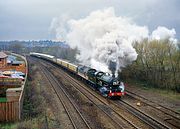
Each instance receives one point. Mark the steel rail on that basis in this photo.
(129, 122)
(147, 101)
(140, 116)
(143, 116)
(64, 105)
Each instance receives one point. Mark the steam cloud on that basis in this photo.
(105, 40)
(164, 33)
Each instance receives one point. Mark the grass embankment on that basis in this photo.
(8, 126)
(34, 106)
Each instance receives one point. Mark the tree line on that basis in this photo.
(63, 52)
(158, 64)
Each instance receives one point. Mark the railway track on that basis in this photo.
(92, 99)
(168, 116)
(115, 120)
(142, 116)
(150, 121)
(154, 123)
(145, 118)
(53, 107)
(75, 116)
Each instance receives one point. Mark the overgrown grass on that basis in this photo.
(33, 123)
(3, 99)
(178, 110)
(8, 125)
(35, 107)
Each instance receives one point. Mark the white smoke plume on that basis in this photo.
(164, 33)
(59, 27)
(103, 38)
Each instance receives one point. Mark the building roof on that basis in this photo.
(2, 55)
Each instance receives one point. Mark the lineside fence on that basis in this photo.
(11, 109)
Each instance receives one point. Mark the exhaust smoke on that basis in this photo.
(105, 40)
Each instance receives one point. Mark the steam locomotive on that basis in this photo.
(104, 83)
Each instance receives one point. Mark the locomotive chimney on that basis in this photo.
(113, 75)
(112, 67)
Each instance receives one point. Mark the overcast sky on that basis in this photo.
(31, 19)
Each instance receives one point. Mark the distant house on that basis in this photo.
(3, 60)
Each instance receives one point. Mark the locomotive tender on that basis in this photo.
(107, 85)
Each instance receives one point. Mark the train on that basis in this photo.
(104, 83)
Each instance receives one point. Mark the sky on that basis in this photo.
(31, 19)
